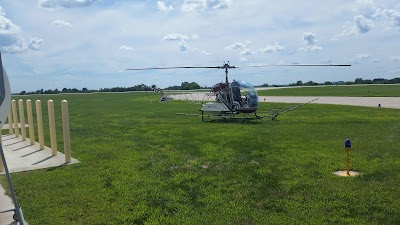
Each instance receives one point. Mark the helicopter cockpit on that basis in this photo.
(245, 94)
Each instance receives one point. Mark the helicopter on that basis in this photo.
(230, 98)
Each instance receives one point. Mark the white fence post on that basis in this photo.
(65, 120)
(30, 121)
(39, 123)
(15, 118)
(22, 118)
(52, 125)
(10, 122)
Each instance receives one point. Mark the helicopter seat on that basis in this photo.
(235, 86)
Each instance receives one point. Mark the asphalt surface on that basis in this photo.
(384, 102)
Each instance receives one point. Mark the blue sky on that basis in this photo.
(89, 43)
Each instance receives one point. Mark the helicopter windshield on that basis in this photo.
(249, 92)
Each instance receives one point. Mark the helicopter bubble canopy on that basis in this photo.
(245, 89)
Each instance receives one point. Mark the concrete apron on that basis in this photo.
(6, 204)
(22, 156)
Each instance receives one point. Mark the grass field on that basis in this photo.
(140, 164)
(350, 90)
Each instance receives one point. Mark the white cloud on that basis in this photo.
(61, 23)
(175, 37)
(362, 24)
(243, 59)
(125, 48)
(247, 52)
(164, 8)
(359, 25)
(17, 46)
(236, 45)
(203, 5)
(363, 56)
(65, 3)
(396, 58)
(392, 17)
(310, 38)
(35, 43)
(10, 36)
(311, 41)
(272, 48)
(183, 46)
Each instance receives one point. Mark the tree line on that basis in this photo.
(141, 87)
(356, 81)
(193, 85)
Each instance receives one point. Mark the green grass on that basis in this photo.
(355, 91)
(140, 164)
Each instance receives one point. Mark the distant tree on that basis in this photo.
(185, 85)
(367, 81)
(394, 80)
(189, 86)
(358, 81)
(310, 83)
(194, 85)
(299, 83)
(328, 83)
(378, 81)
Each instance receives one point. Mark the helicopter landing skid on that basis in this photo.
(232, 116)
(225, 116)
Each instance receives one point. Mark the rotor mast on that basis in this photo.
(226, 67)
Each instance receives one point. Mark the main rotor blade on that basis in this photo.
(267, 65)
(232, 67)
(177, 67)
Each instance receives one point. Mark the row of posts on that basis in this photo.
(13, 125)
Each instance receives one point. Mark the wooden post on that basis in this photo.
(52, 125)
(22, 119)
(65, 120)
(30, 121)
(10, 122)
(15, 118)
(39, 124)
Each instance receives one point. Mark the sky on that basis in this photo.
(49, 44)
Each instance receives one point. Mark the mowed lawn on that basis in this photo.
(141, 164)
(349, 90)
